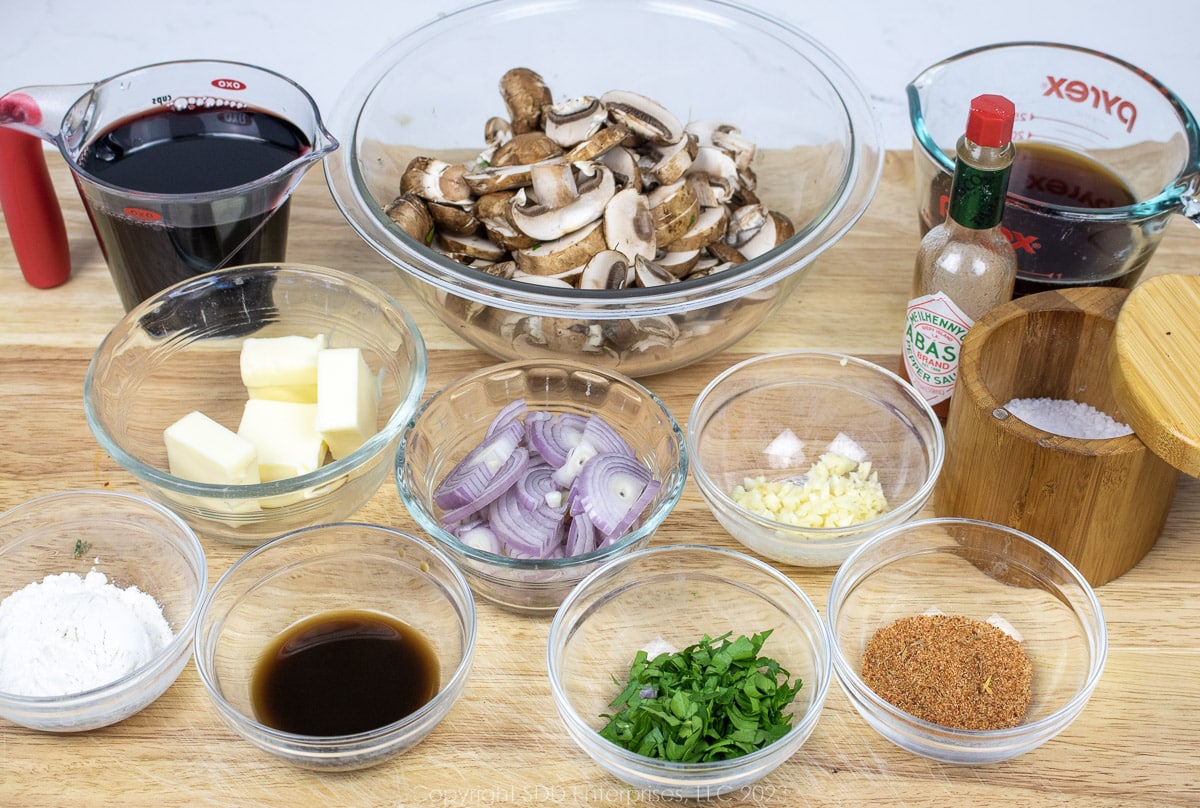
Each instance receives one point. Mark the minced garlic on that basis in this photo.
(836, 492)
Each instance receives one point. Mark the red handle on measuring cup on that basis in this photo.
(35, 222)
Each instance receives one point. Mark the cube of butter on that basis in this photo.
(285, 435)
(281, 368)
(347, 400)
(203, 451)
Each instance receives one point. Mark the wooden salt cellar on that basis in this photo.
(1100, 502)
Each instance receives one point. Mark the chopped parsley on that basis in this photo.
(715, 700)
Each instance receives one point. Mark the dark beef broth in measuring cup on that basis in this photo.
(190, 152)
(1102, 254)
(1105, 154)
(183, 167)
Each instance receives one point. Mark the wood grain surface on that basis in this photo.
(1136, 743)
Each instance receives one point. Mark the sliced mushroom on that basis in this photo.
(555, 257)
(726, 253)
(525, 95)
(492, 179)
(410, 212)
(435, 180)
(667, 164)
(453, 218)
(776, 230)
(651, 274)
(643, 116)
(674, 209)
(624, 165)
(573, 121)
(607, 269)
(744, 224)
(628, 225)
(715, 163)
(679, 264)
(598, 144)
(526, 149)
(549, 223)
(491, 211)
(497, 131)
(553, 184)
(709, 226)
(543, 280)
(472, 246)
(502, 269)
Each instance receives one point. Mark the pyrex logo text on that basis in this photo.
(1081, 93)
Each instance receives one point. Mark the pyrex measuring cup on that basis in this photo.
(1105, 155)
(183, 167)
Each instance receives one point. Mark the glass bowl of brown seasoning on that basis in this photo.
(965, 641)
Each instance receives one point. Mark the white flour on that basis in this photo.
(69, 634)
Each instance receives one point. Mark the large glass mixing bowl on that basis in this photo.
(818, 160)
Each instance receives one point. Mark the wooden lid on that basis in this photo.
(1154, 367)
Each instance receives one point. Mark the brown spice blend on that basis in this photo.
(950, 670)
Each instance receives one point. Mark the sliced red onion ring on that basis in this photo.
(604, 439)
(508, 413)
(607, 488)
(481, 537)
(537, 531)
(581, 536)
(554, 436)
(536, 486)
(502, 481)
(634, 513)
(465, 482)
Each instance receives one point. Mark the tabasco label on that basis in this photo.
(934, 329)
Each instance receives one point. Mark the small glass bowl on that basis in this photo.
(979, 570)
(677, 594)
(327, 568)
(824, 399)
(453, 421)
(819, 158)
(179, 351)
(133, 542)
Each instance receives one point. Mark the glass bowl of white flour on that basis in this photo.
(99, 597)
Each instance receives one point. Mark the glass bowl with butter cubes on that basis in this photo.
(258, 399)
(804, 455)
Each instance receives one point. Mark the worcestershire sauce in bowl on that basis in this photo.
(343, 672)
(180, 152)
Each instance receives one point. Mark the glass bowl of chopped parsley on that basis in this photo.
(688, 671)
(964, 641)
(804, 455)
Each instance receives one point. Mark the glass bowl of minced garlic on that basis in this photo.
(804, 455)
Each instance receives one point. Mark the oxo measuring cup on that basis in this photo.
(183, 167)
(1105, 155)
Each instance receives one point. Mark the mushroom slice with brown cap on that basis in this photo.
(744, 223)
(777, 229)
(544, 280)
(679, 264)
(651, 274)
(598, 144)
(410, 212)
(624, 165)
(453, 218)
(555, 257)
(526, 149)
(472, 246)
(435, 180)
(489, 180)
(668, 163)
(549, 223)
(674, 209)
(608, 269)
(491, 210)
(715, 163)
(553, 184)
(628, 225)
(710, 226)
(525, 95)
(574, 120)
(644, 116)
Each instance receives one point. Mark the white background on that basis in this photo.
(321, 45)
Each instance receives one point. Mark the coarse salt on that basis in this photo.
(67, 634)
(1071, 419)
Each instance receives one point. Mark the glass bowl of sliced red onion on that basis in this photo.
(532, 474)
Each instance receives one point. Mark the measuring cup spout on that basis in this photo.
(39, 110)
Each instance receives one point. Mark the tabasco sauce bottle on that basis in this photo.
(965, 266)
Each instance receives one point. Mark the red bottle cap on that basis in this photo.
(991, 120)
